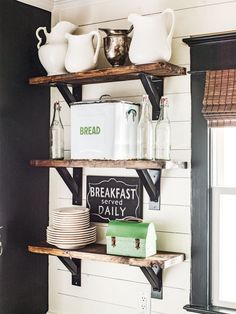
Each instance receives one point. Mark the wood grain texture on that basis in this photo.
(97, 252)
(95, 163)
(122, 73)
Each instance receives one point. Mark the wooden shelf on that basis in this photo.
(152, 267)
(122, 73)
(97, 252)
(93, 163)
(149, 172)
(151, 77)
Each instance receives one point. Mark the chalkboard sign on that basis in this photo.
(111, 198)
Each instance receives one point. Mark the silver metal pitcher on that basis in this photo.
(116, 45)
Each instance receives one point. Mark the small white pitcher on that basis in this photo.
(80, 55)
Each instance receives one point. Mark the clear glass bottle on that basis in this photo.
(56, 134)
(145, 131)
(162, 136)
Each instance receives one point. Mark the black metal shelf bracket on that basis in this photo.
(154, 88)
(154, 276)
(73, 183)
(151, 180)
(74, 266)
(70, 97)
(152, 85)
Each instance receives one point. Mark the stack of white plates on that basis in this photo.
(71, 228)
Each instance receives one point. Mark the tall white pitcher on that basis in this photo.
(81, 55)
(57, 34)
(152, 37)
(52, 53)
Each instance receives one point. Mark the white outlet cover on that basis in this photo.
(144, 303)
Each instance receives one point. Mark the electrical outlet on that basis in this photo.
(144, 303)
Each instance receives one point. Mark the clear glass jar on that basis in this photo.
(145, 131)
(162, 133)
(56, 134)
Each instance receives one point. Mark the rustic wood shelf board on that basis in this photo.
(122, 73)
(149, 172)
(130, 164)
(97, 252)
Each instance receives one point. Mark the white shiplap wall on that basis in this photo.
(110, 288)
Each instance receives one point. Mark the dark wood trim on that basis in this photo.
(210, 38)
(210, 52)
(200, 290)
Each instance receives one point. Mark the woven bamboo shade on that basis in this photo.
(219, 103)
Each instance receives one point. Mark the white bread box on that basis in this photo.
(104, 129)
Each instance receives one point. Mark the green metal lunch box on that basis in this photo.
(131, 238)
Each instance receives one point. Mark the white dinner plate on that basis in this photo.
(66, 236)
(71, 247)
(72, 226)
(71, 223)
(68, 231)
(54, 242)
(91, 228)
(79, 216)
(73, 241)
(63, 238)
(71, 210)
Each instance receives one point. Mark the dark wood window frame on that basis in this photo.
(210, 52)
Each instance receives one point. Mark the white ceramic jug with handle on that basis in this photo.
(57, 34)
(81, 55)
(152, 37)
(52, 53)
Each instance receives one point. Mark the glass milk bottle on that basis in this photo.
(162, 136)
(144, 131)
(56, 134)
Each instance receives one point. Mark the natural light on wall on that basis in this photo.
(223, 216)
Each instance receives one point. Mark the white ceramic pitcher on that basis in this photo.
(57, 34)
(52, 53)
(81, 55)
(152, 37)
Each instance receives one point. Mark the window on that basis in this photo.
(223, 209)
(214, 96)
